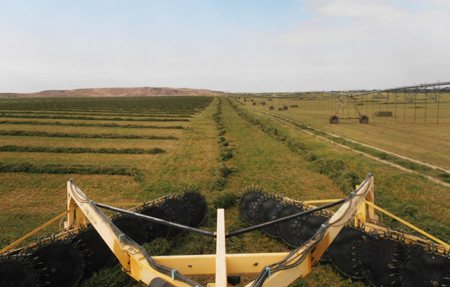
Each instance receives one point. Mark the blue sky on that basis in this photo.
(238, 46)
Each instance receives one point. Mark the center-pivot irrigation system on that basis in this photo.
(431, 91)
(428, 90)
(353, 239)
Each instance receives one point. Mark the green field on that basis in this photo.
(222, 148)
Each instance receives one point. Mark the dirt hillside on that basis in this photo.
(115, 92)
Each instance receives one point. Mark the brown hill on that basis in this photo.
(116, 92)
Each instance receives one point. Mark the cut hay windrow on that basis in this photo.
(27, 167)
(85, 136)
(91, 118)
(221, 172)
(95, 113)
(112, 125)
(14, 148)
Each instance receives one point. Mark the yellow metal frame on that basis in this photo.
(220, 264)
(22, 239)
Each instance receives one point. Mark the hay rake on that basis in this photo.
(357, 247)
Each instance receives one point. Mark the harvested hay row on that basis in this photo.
(90, 118)
(112, 125)
(85, 136)
(14, 148)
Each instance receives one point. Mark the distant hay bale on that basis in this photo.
(294, 106)
(269, 100)
(383, 114)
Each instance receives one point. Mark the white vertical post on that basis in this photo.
(70, 207)
(221, 266)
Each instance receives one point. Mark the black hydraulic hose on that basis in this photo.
(157, 220)
(210, 234)
(259, 226)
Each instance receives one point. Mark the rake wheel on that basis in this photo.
(269, 211)
(426, 268)
(310, 225)
(250, 203)
(154, 230)
(97, 253)
(382, 261)
(62, 262)
(197, 206)
(178, 212)
(342, 252)
(131, 226)
(19, 270)
(289, 231)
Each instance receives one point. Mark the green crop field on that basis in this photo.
(223, 146)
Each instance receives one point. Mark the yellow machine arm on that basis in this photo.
(280, 268)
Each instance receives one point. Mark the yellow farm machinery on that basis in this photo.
(352, 238)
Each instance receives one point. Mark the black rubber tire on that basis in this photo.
(364, 119)
(334, 120)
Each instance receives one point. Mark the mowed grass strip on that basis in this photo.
(82, 135)
(14, 148)
(94, 143)
(93, 118)
(81, 124)
(27, 167)
(94, 130)
(95, 113)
